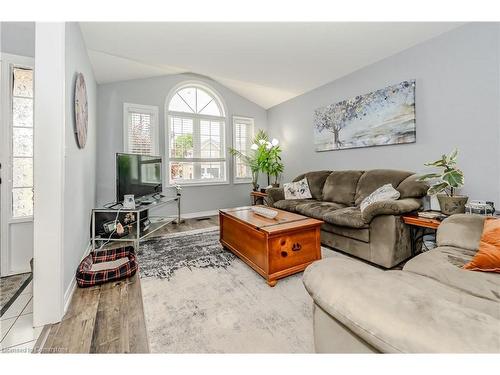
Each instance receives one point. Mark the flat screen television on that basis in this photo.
(137, 174)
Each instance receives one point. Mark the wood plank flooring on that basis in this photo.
(108, 318)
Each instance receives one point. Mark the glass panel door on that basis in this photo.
(22, 142)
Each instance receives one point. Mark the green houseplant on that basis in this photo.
(264, 156)
(445, 183)
(254, 159)
(271, 161)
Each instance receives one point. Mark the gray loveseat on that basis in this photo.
(378, 235)
(431, 306)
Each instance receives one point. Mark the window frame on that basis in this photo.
(8, 63)
(251, 120)
(155, 126)
(196, 118)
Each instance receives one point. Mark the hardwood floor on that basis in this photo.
(108, 318)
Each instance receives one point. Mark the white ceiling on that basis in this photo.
(267, 63)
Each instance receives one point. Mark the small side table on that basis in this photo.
(419, 227)
(258, 198)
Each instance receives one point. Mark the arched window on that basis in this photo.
(196, 131)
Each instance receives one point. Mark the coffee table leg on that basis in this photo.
(272, 283)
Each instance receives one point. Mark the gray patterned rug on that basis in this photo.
(162, 256)
(10, 288)
(200, 298)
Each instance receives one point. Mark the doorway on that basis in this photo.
(16, 197)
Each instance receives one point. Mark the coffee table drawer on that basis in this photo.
(293, 249)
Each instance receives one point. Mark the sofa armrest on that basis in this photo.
(390, 207)
(274, 195)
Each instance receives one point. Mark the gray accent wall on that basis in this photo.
(18, 38)
(457, 105)
(80, 164)
(154, 91)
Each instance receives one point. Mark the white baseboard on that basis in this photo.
(72, 286)
(194, 215)
(68, 294)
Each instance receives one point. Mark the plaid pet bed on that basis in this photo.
(85, 277)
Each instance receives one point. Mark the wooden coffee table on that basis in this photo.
(274, 248)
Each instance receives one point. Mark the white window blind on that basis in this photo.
(243, 133)
(196, 137)
(140, 129)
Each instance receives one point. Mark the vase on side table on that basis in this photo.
(452, 205)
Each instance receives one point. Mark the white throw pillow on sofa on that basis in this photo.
(297, 190)
(383, 193)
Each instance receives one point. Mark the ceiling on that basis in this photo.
(267, 63)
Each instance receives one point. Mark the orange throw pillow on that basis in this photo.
(487, 257)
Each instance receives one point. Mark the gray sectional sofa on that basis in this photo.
(431, 306)
(377, 235)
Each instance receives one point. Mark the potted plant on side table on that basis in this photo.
(445, 184)
(254, 159)
(272, 163)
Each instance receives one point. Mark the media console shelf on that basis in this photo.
(135, 233)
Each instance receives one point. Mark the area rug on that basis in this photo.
(200, 298)
(10, 288)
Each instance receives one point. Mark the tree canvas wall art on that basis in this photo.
(382, 117)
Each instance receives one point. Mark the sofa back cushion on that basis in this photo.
(316, 180)
(372, 180)
(461, 230)
(340, 187)
(410, 187)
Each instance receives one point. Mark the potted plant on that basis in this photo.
(272, 164)
(269, 157)
(445, 184)
(254, 159)
(265, 157)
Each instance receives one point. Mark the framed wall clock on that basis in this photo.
(81, 111)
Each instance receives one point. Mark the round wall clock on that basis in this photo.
(81, 111)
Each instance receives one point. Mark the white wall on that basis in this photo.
(457, 105)
(153, 91)
(80, 164)
(49, 129)
(65, 185)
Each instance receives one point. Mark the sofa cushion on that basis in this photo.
(290, 204)
(316, 180)
(410, 187)
(340, 187)
(407, 312)
(372, 180)
(317, 209)
(445, 263)
(360, 234)
(346, 217)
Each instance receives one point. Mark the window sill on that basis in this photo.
(238, 182)
(20, 219)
